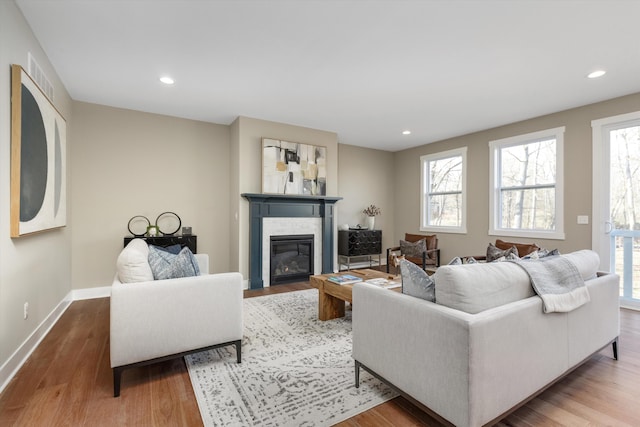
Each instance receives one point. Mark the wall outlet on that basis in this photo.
(26, 310)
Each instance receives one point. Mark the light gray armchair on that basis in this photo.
(157, 320)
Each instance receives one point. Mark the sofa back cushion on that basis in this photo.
(587, 262)
(477, 287)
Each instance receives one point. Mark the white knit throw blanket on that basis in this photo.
(558, 282)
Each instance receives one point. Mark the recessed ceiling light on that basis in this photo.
(167, 80)
(596, 74)
(406, 132)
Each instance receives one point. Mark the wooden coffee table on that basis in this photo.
(332, 296)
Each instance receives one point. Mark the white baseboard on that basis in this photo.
(90, 293)
(17, 359)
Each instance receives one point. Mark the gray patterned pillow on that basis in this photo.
(166, 265)
(413, 249)
(494, 254)
(416, 282)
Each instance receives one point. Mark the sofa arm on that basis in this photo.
(416, 345)
(164, 317)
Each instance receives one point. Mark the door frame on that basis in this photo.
(600, 239)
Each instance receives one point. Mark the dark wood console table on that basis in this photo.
(189, 241)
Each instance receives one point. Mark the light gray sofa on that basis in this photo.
(156, 320)
(471, 369)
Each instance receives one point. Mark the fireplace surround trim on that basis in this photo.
(279, 205)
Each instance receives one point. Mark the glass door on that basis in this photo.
(617, 232)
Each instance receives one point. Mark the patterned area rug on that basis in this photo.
(295, 370)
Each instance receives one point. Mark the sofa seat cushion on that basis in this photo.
(473, 288)
(133, 263)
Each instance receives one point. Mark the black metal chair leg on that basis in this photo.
(615, 349)
(117, 376)
(239, 350)
(357, 366)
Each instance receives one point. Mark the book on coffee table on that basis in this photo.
(385, 283)
(345, 279)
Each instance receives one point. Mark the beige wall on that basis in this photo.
(249, 140)
(129, 163)
(366, 177)
(36, 268)
(578, 178)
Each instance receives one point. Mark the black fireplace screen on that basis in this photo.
(291, 258)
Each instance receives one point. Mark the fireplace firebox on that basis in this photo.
(291, 258)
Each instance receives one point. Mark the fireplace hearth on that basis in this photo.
(291, 258)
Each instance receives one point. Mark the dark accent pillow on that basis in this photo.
(523, 248)
(431, 241)
(494, 253)
(166, 265)
(416, 282)
(413, 249)
(173, 249)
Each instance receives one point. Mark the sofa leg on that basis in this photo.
(117, 375)
(615, 349)
(357, 366)
(239, 350)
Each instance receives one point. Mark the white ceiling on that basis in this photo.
(366, 70)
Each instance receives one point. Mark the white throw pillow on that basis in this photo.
(133, 263)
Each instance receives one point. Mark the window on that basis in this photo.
(526, 198)
(443, 191)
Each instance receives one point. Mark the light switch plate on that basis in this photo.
(583, 219)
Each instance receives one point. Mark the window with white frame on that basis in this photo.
(526, 198)
(443, 191)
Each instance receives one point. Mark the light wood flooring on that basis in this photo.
(68, 382)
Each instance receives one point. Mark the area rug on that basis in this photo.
(296, 370)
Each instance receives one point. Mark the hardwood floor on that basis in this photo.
(67, 382)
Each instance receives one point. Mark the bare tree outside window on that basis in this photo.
(528, 185)
(624, 202)
(625, 178)
(443, 191)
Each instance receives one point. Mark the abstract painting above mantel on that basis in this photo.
(293, 168)
(38, 159)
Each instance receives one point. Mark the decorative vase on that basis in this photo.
(371, 222)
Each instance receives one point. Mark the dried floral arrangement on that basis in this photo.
(372, 210)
